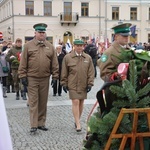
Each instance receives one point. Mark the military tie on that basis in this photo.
(41, 43)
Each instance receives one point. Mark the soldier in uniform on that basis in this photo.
(77, 77)
(109, 62)
(13, 57)
(10, 82)
(38, 62)
(118, 52)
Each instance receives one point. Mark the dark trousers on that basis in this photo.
(3, 81)
(95, 63)
(57, 88)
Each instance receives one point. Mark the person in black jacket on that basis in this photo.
(91, 49)
(57, 87)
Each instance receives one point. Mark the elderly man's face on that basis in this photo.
(122, 40)
(58, 49)
(78, 48)
(40, 36)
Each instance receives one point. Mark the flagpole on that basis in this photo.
(105, 20)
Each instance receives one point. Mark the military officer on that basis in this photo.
(13, 57)
(77, 77)
(118, 52)
(113, 56)
(38, 62)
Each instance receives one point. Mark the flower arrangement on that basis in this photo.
(16, 60)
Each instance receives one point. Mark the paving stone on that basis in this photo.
(61, 134)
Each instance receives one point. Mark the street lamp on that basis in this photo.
(9, 30)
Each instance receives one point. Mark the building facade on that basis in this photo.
(73, 18)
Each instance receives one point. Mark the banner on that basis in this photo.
(133, 30)
(68, 46)
(5, 139)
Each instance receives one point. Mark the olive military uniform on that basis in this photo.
(77, 74)
(38, 62)
(110, 60)
(14, 62)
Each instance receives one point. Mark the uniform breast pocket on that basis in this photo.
(47, 53)
(33, 54)
(72, 68)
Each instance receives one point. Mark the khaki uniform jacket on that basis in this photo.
(110, 64)
(77, 71)
(38, 60)
(13, 52)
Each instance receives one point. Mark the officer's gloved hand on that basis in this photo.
(24, 81)
(65, 88)
(53, 82)
(88, 89)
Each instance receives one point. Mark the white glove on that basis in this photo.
(12, 57)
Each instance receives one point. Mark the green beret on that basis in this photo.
(122, 29)
(78, 42)
(40, 27)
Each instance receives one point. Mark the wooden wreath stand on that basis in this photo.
(133, 135)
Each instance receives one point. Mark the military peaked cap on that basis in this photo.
(122, 29)
(40, 27)
(78, 42)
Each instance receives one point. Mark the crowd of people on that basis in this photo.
(9, 58)
(26, 70)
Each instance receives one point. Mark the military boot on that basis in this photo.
(8, 88)
(24, 96)
(4, 92)
(17, 96)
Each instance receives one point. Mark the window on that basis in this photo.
(29, 7)
(149, 14)
(50, 39)
(28, 38)
(67, 11)
(84, 9)
(133, 13)
(85, 38)
(115, 13)
(149, 38)
(47, 8)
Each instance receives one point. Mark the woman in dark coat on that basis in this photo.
(57, 87)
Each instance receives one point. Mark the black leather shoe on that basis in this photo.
(42, 128)
(54, 94)
(78, 130)
(33, 129)
(59, 94)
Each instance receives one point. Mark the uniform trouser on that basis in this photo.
(10, 79)
(57, 87)
(16, 79)
(38, 94)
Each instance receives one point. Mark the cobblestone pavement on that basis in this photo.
(61, 134)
